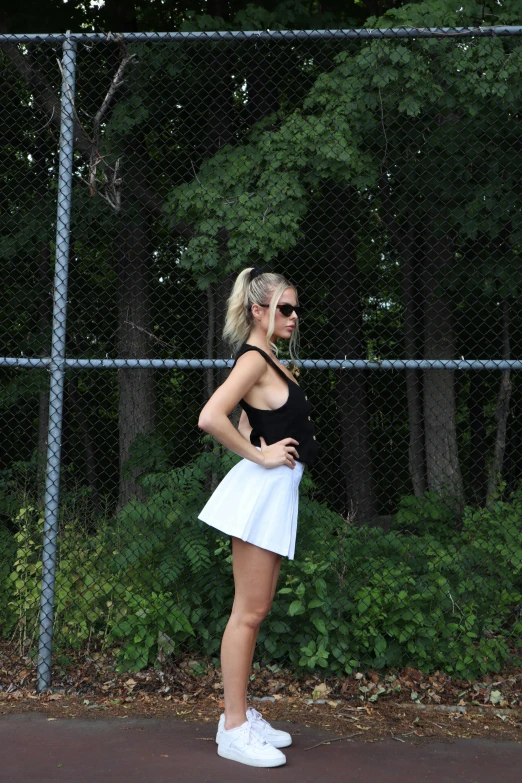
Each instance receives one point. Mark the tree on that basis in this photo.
(404, 145)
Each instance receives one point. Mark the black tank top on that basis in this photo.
(291, 420)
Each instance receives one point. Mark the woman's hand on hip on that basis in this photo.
(281, 453)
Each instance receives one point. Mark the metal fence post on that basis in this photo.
(57, 365)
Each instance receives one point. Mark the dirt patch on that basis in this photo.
(407, 705)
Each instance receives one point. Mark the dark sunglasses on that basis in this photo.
(288, 309)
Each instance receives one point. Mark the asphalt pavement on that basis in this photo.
(37, 749)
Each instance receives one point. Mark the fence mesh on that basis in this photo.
(382, 177)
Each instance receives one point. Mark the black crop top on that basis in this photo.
(291, 420)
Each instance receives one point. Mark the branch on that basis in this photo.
(95, 158)
(44, 96)
(47, 101)
(334, 739)
(153, 336)
(116, 82)
(75, 117)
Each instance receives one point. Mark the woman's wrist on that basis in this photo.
(225, 433)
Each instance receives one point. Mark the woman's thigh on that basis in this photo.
(255, 576)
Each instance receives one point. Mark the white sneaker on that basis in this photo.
(277, 738)
(244, 744)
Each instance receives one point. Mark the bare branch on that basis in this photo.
(335, 739)
(99, 193)
(150, 334)
(95, 158)
(44, 96)
(116, 82)
(49, 103)
(39, 130)
(71, 98)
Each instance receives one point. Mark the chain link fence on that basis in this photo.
(381, 171)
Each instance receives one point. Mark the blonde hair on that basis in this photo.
(239, 319)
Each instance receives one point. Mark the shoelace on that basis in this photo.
(253, 737)
(256, 716)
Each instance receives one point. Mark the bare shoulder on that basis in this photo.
(251, 362)
(249, 368)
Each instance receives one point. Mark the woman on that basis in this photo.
(256, 503)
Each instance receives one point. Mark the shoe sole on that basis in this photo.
(282, 744)
(232, 755)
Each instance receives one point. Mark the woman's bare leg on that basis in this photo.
(275, 577)
(253, 578)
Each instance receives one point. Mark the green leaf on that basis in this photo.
(295, 608)
(320, 625)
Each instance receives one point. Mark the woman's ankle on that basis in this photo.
(233, 721)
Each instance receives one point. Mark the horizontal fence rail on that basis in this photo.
(270, 35)
(308, 364)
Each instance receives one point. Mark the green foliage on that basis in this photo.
(287, 15)
(423, 108)
(7, 555)
(436, 119)
(412, 599)
(430, 513)
(156, 580)
(497, 532)
(147, 454)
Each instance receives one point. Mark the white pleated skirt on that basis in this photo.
(258, 505)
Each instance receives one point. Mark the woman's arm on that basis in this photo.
(213, 418)
(244, 427)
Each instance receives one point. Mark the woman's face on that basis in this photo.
(283, 325)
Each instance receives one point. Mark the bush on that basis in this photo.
(156, 579)
(7, 554)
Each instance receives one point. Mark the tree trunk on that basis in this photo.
(222, 122)
(220, 292)
(211, 338)
(137, 392)
(263, 97)
(416, 456)
(44, 329)
(221, 113)
(512, 467)
(477, 429)
(405, 245)
(44, 313)
(442, 458)
(346, 323)
(77, 407)
(501, 414)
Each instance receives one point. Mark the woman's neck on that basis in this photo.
(259, 341)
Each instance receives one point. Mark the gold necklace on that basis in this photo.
(293, 369)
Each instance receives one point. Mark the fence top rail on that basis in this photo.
(228, 35)
(309, 364)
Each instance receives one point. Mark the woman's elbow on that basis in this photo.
(204, 422)
(212, 419)
(207, 420)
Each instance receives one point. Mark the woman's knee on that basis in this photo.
(253, 616)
